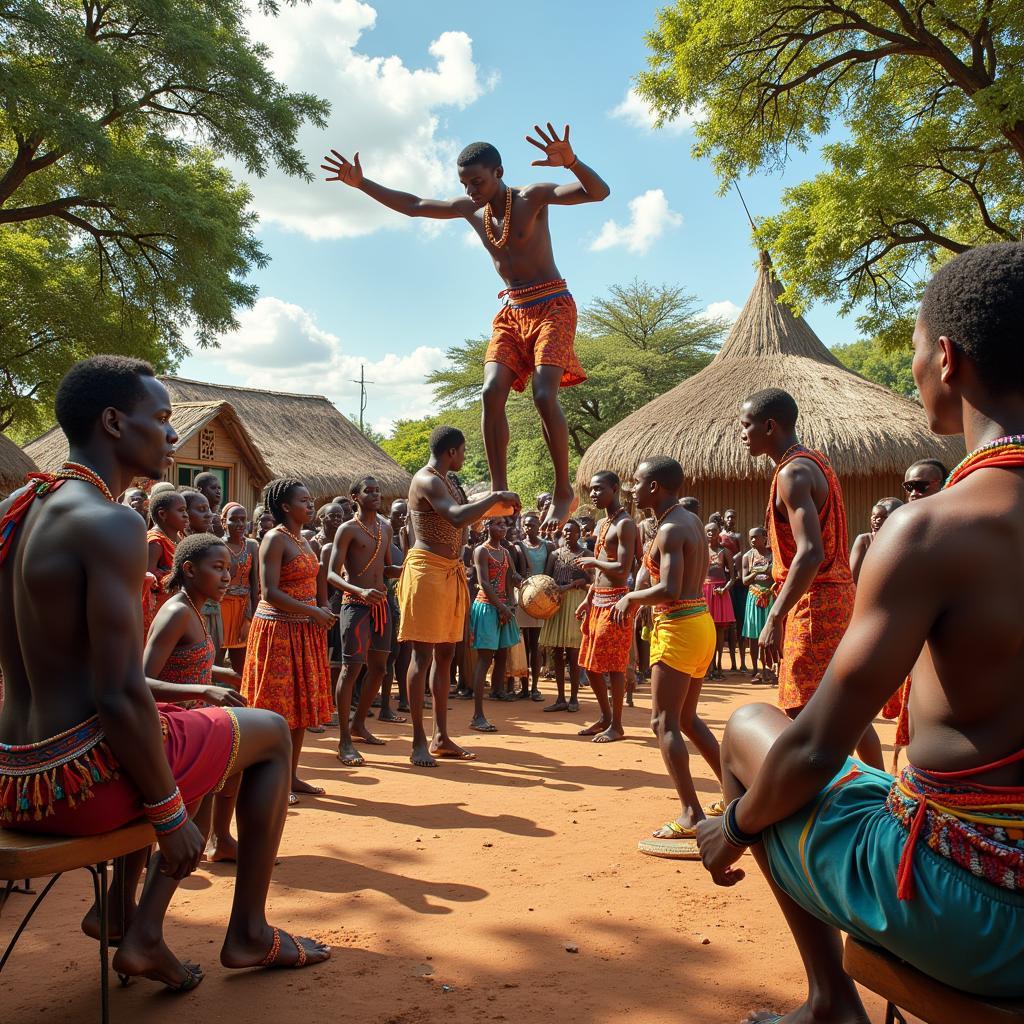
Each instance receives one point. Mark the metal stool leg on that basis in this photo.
(99, 883)
(893, 1014)
(25, 920)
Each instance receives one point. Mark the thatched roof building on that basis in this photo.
(247, 437)
(869, 433)
(303, 436)
(14, 464)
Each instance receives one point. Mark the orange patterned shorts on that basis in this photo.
(536, 328)
(606, 643)
(813, 630)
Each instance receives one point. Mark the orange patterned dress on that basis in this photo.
(819, 619)
(286, 666)
(236, 601)
(153, 594)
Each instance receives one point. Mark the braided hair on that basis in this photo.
(277, 495)
(193, 548)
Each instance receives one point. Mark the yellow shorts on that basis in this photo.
(686, 643)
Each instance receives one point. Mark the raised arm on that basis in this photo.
(588, 187)
(465, 515)
(351, 173)
(115, 565)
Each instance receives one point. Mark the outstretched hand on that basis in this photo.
(558, 151)
(350, 172)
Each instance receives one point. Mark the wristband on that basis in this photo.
(167, 815)
(575, 161)
(734, 835)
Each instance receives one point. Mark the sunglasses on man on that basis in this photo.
(916, 486)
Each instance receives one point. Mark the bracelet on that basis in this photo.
(575, 161)
(167, 815)
(734, 835)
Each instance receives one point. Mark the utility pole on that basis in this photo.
(362, 382)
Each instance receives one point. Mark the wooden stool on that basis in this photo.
(904, 986)
(23, 855)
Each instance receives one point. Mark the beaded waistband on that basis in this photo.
(606, 597)
(680, 609)
(33, 776)
(268, 612)
(531, 295)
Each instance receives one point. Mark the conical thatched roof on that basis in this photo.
(14, 464)
(303, 436)
(863, 427)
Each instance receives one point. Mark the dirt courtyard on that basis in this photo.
(451, 895)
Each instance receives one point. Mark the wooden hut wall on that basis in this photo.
(226, 455)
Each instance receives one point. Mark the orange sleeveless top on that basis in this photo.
(835, 568)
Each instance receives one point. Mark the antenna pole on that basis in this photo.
(362, 382)
(736, 186)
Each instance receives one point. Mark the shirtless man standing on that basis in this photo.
(432, 593)
(671, 578)
(360, 563)
(927, 865)
(606, 642)
(533, 333)
(72, 564)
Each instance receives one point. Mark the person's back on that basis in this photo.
(65, 541)
(906, 863)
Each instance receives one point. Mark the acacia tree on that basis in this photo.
(922, 106)
(113, 117)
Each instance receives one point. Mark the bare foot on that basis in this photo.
(421, 757)
(298, 786)
(241, 952)
(225, 850)
(845, 1014)
(562, 505)
(387, 715)
(559, 705)
(451, 750)
(593, 730)
(364, 735)
(137, 958)
(91, 921)
(610, 735)
(350, 757)
(481, 724)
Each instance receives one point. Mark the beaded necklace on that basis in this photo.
(448, 484)
(489, 231)
(786, 454)
(657, 526)
(199, 614)
(1003, 451)
(603, 533)
(300, 541)
(376, 539)
(76, 471)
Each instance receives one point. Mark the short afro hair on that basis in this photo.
(444, 439)
(206, 477)
(164, 500)
(691, 504)
(889, 505)
(665, 471)
(482, 153)
(193, 548)
(933, 464)
(977, 301)
(607, 476)
(773, 404)
(95, 384)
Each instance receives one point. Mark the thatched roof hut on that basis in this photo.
(869, 433)
(14, 464)
(303, 436)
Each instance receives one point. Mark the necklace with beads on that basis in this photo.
(507, 225)
(199, 614)
(448, 484)
(657, 527)
(76, 471)
(376, 538)
(609, 521)
(300, 541)
(1003, 451)
(789, 451)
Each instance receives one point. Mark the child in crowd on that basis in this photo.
(717, 585)
(757, 577)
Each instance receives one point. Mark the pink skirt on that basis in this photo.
(720, 605)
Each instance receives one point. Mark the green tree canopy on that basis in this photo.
(922, 107)
(635, 343)
(113, 116)
(881, 363)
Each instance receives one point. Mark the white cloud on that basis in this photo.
(635, 110)
(379, 106)
(280, 346)
(649, 217)
(726, 308)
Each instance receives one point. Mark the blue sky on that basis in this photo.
(410, 84)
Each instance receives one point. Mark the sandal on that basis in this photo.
(270, 960)
(715, 809)
(678, 831)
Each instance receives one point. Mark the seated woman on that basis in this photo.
(180, 653)
(928, 865)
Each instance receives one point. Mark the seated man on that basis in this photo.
(83, 747)
(929, 865)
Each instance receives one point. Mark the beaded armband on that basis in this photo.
(168, 815)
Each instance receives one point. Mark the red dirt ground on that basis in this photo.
(451, 895)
